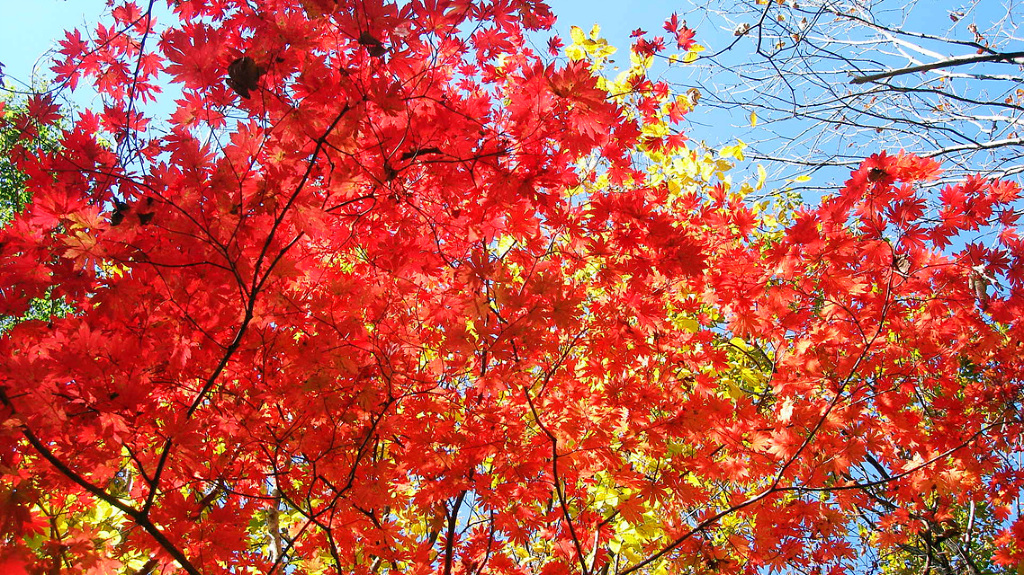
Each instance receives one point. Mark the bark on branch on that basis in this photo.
(955, 61)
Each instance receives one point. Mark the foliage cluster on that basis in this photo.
(395, 293)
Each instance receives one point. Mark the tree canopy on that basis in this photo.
(381, 289)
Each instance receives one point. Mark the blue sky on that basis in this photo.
(28, 28)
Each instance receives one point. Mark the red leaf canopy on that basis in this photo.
(374, 316)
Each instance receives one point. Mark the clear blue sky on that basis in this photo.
(28, 28)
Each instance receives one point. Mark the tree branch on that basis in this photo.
(449, 544)
(139, 517)
(955, 61)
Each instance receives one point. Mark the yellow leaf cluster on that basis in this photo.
(592, 45)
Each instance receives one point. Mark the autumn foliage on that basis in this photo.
(385, 290)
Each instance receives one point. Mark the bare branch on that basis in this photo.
(1010, 57)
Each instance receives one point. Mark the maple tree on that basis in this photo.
(388, 291)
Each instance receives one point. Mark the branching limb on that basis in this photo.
(1010, 57)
